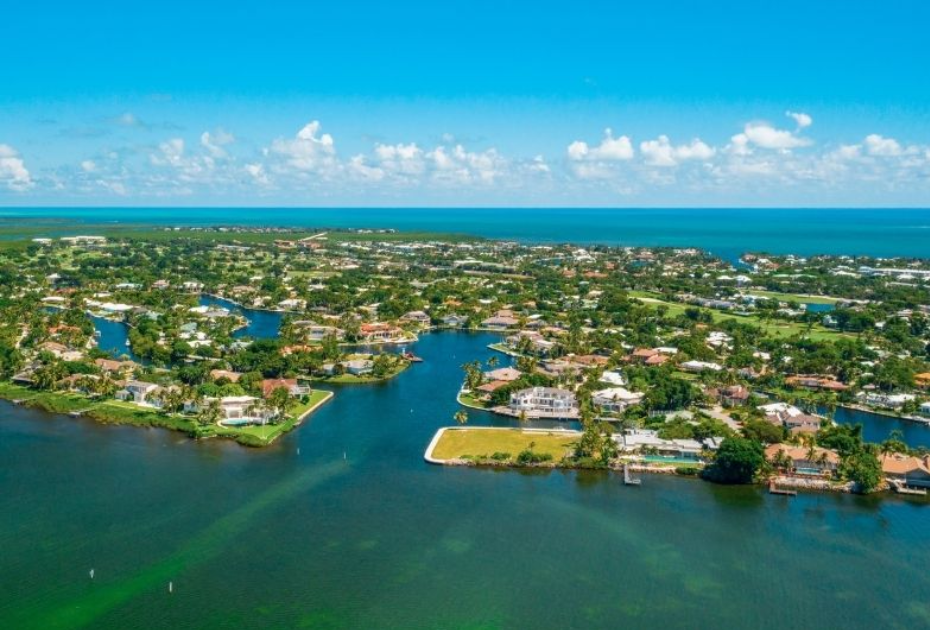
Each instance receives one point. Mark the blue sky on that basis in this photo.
(460, 103)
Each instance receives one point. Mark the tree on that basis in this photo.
(279, 399)
(210, 413)
(737, 461)
(461, 416)
(762, 431)
(864, 469)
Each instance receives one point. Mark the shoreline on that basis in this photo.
(804, 484)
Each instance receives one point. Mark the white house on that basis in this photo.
(544, 401)
(136, 391)
(615, 399)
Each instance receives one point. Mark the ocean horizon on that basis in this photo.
(725, 232)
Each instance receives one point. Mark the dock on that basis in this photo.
(774, 489)
(628, 479)
(901, 488)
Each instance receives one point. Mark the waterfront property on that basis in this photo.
(615, 399)
(803, 460)
(543, 402)
(907, 470)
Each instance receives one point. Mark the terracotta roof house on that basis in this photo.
(911, 471)
(290, 384)
(820, 461)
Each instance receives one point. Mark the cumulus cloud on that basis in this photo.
(308, 150)
(88, 166)
(881, 146)
(610, 149)
(803, 120)
(13, 172)
(661, 152)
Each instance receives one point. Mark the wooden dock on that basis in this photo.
(774, 489)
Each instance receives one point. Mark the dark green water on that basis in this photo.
(277, 539)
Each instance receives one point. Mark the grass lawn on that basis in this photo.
(262, 435)
(773, 328)
(352, 379)
(484, 442)
(469, 400)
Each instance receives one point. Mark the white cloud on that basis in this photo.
(13, 171)
(803, 120)
(257, 173)
(308, 150)
(404, 159)
(610, 149)
(215, 142)
(767, 137)
(881, 146)
(661, 152)
(88, 166)
(459, 166)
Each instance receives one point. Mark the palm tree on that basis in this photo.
(211, 413)
(461, 416)
(493, 361)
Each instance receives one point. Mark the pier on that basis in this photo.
(774, 489)
(628, 479)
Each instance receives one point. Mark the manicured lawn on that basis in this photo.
(773, 328)
(484, 442)
(469, 400)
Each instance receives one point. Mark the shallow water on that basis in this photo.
(273, 538)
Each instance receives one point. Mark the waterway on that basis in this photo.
(261, 324)
(341, 524)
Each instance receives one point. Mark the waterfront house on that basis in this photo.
(802, 460)
(238, 409)
(316, 333)
(925, 409)
(648, 442)
(136, 391)
(420, 318)
(454, 321)
(359, 367)
(380, 333)
(500, 322)
(615, 399)
(922, 380)
(885, 401)
(544, 402)
(290, 384)
(910, 471)
(815, 382)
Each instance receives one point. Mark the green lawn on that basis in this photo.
(484, 442)
(773, 328)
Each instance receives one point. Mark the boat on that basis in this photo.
(412, 357)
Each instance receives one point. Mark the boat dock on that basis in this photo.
(774, 489)
(628, 479)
